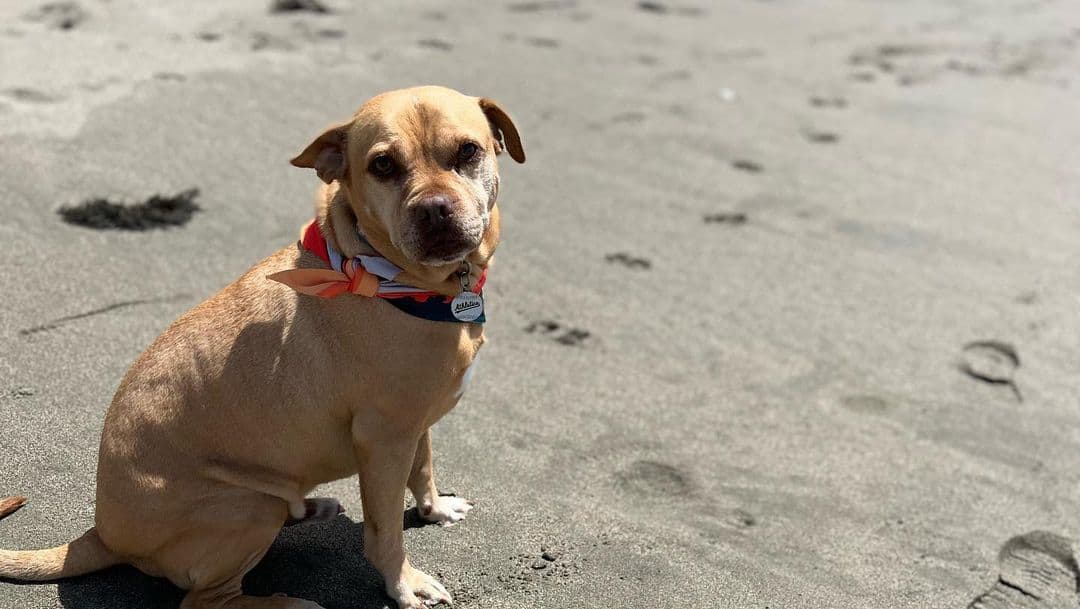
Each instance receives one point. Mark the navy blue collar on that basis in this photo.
(433, 307)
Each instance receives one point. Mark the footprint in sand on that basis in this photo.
(58, 15)
(262, 41)
(821, 137)
(867, 404)
(536, 7)
(545, 43)
(736, 218)
(740, 519)
(747, 165)
(1028, 297)
(1038, 570)
(571, 337)
(652, 7)
(659, 8)
(652, 478)
(435, 43)
(824, 101)
(22, 392)
(294, 6)
(30, 96)
(632, 262)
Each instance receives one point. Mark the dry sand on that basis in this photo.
(729, 316)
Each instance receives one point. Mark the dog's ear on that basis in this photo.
(504, 128)
(328, 155)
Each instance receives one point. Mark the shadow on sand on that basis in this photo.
(321, 562)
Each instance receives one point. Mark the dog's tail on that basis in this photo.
(84, 555)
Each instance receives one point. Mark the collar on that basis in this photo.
(375, 277)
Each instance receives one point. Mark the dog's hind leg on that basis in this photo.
(262, 481)
(214, 581)
(217, 549)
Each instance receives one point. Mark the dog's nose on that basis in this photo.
(436, 208)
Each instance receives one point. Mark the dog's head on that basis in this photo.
(421, 164)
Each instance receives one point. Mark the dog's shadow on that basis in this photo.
(319, 561)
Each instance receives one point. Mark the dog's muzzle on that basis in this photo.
(443, 231)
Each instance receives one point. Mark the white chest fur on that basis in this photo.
(466, 379)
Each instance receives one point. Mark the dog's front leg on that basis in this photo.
(384, 462)
(444, 510)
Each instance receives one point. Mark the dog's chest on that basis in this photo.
(422, 368)
(454, 371)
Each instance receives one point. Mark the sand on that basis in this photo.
(750, 325)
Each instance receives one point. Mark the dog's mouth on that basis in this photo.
(433, 234)
(438, 248)
(437, 243)
(445, 247)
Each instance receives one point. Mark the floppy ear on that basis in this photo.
(328, 154)
(504, 128)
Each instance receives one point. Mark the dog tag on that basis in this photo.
(467, 306)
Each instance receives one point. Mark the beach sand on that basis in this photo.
(785, 313)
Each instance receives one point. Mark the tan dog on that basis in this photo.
(254, 397)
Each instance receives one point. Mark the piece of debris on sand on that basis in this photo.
(158, 211)
(10, 505)
(991, 361)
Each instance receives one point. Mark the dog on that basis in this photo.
(330, 358)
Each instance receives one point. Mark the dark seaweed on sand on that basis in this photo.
(156, 212)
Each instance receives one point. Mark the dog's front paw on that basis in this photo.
(445, 510)
(416, 590)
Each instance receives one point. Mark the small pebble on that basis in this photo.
(539, 564)
(549, 556)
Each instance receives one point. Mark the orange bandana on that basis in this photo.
(369, 276)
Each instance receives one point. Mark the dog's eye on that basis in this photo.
(383, 166)
(467, 152)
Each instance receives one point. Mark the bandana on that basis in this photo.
(374, 277)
